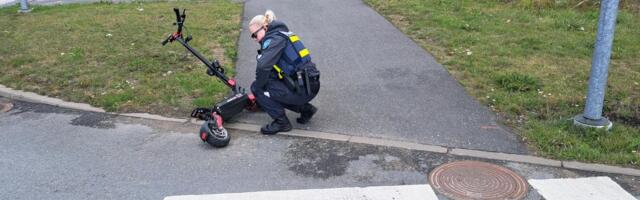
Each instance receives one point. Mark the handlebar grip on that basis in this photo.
(177, 11)
(167, 40)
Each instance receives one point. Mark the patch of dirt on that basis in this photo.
(632, 120)
(399, 20)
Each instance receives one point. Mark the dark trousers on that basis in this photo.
(281, 97)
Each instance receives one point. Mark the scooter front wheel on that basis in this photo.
(214, 133)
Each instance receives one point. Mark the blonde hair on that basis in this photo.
(263, 20)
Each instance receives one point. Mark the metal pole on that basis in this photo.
(24, 7)
(592, 116)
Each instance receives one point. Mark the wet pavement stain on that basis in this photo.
(88, 119)
(319, 159)
(325, 159)
(94, 120)
(21, 107)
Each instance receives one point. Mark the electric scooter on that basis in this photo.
(212, 130)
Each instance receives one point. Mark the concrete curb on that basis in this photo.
(35, 98)
(344, 138)
(600, 168)
(153, 117)
(506, 157)
(398, 144)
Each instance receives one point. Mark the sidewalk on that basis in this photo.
(376, 82)
(4, 3)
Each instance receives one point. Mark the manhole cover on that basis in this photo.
(477, 180)
(5, 106)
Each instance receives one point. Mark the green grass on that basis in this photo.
(529, 61)
(109, 55)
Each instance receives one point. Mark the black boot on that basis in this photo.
(307, 112)
(280, 124)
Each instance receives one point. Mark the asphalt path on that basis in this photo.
(376, 82)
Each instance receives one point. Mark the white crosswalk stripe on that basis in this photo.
(404, 192)
(550, 189)
(580, 188)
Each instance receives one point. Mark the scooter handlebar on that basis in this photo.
(177, 11)
(180, 18)
(167, 40)
(179, 22)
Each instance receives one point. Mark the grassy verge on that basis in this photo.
(109, 55)
(530, 64)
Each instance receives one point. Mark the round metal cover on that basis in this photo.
(477, 180)
(5, 106)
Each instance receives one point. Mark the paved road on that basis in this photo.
(376, 82)
(52, 153)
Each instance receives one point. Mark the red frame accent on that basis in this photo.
(252, 103)
(175, 35)
(232, 82)
(218, 119)
(203, 136)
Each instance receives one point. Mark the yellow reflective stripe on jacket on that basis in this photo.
(279, 71)
(303, 53)
(294, 38)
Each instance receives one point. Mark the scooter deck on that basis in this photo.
(233, 105)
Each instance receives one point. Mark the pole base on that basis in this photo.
(25, 11)
(580, 120)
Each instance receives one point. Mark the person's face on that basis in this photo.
(257, 32)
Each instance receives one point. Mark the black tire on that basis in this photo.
(210, 133)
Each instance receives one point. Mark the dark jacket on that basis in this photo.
(271, 48)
